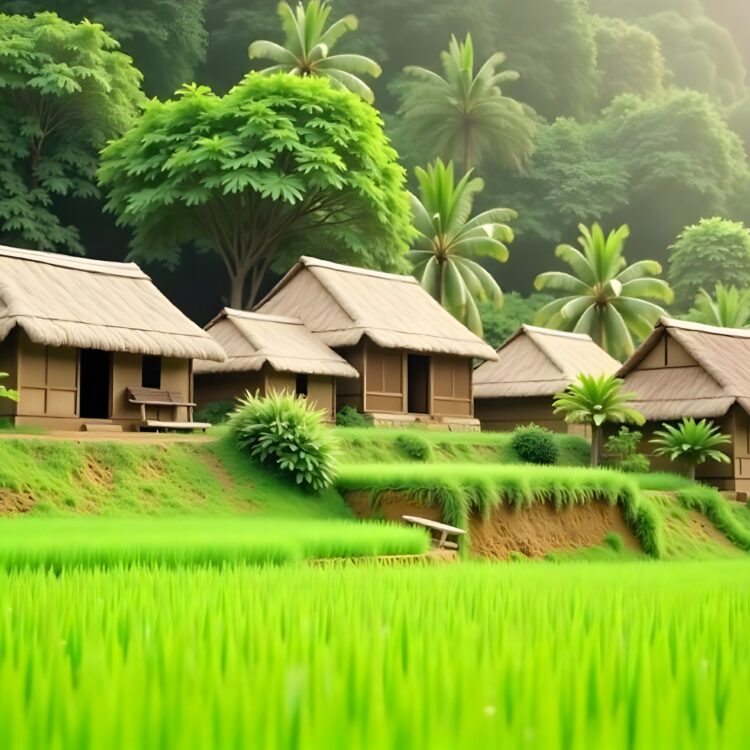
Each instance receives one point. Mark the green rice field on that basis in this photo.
(531, 655)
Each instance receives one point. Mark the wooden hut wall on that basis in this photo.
(451, 386)
(505, 414)
(350, 391)
(227, 386)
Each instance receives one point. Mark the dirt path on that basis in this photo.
(142, 438)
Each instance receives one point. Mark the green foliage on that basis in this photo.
(74, 543)
(728, 308)
(692, 442)
(414, 446)
(284, 434)
(606, 298)
(463, 115)
(215, 413)
(499, 323)
(534, 445)
(629, 60)
(714, 251)
(348, 416)
(167, 39)
(8, 393)
(65, 89)
(308, 162)
(614, 541)
(595, 401)
(448, 241)
(622, 451)
(307, 46)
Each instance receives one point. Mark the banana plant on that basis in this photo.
(449, 241)
(596, 400)
(728, 308)
(691, 442)
(307, 48)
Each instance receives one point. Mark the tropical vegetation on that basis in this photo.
(729, 307)
(463, 115)
(65, 89)
(278, 163)
(448, 241)
(5, 392)
(308, 41)
(594, 401)
(691, 443)
(604, 296)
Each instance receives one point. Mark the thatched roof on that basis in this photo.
(715, 375)
(341, 304)
(91, 304)
(540, 362)
(251, 340)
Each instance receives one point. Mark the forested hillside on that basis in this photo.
(638, 112)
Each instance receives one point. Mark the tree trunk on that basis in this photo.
(596, 445)
(237, 289)
(691, 471)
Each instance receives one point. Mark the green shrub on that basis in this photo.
(287, 435)
(414, 446)
(534, 445)
(614, 541)
(622, 452)
(215, 413)
(348, 416)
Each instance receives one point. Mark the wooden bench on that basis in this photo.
(163, 399)
(443, 530)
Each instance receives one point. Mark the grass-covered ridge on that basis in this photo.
(369, 445)
(68, 477)
(59, 543)
(462, 489)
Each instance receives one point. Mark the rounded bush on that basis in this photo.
(217, 412)
(286, 435)
(414, 447)
(348, 416)
(534, 445)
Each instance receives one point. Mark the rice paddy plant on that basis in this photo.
(58, 543)
(571, 656)
(460, 489)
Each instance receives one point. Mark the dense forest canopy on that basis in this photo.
(639, 109)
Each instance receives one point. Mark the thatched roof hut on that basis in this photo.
(414, 358)
(532, 366)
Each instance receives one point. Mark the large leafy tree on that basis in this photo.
(65, 89)
(629, 60)
(166, 38)
(713, 251)
(308, 42)
(278, 160)
(604, 296)
(729, 307)
(463, 115)
(596, 400)
(448, 241)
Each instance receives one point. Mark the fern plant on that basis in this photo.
(287, 436)
(691, 442)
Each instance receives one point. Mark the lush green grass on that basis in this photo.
(460, 489)
(662, 482)
(468, 656)
(370, 445)
(68, 542)
(63, 477)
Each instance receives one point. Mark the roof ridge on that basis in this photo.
(310, 262)
(553, 332)
(687, 325)
(75, 263)
(230, 312)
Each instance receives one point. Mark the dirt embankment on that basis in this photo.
(532, 531)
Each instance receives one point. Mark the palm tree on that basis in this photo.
(307, 46)
(606, 298)
(462, 116)
(692, 442)
(728, 308)
(595, 400)
(448, 241)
